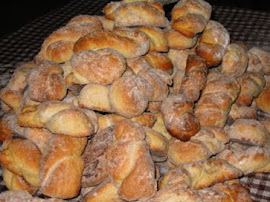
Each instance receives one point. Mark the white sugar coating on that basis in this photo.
(100, 67)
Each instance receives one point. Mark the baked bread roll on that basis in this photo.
(100, 67)
(249, 131)
(106, 192)
(262, 101)
(16, 182)
(213, 43)
(39, 136)
(94, 158)
(129, 42)
(24, 196)
(157, 143)
(58, 117)
(242, 112)
(190, 17)
(259, 60)
(157, 39)
(178, 41)
(12, 99)
(179, 120)
(62, 166)
(129, 95)
(136, 14)
(46, 82)
(235, 60)
(18, 81)
(129, 163)
(206, 143)
(252, 84)
(159, 61)
(95, 97)
(22, 157)
(200, 174)
(195, 77)
(58, 46)
(249, 159)
(215, 102)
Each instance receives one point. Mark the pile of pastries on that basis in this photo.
(133, 106)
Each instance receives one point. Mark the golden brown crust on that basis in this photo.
(235, 60)
(46, 82)
(62, 166)
(159, 61)
(262, 102)
(95, 97)
(157, 39)
(176, 40)
(249, 131)
(195, 78)
(259, 60)
(249, 159)
(190, 16)
(99, 67)
(181, 152)
(216, 100)
(242, 112)
(130, 43)
(58, 46)
(177, 113)
(137, 14)
(22, 156)
(213, 43)
(252, 84)
(129, 96)
(105, 192)
(11, 98)
(16, 182)
(157, 143)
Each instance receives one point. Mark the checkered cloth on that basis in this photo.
(251, 27)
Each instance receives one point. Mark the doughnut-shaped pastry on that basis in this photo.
(130, 43)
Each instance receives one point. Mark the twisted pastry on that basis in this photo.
(21, 157)
(179, 120)
(213, 43)
(249, 159)
(216, 100)
(58, 46)
(62, 166)
(252, 84)
(130, 43)
(46, 82)
(57, 117)
(137, 13)
(207, 142)
(129, 163)
(235, 60)
(195, 78)
(99, 67)
(190, 17)
(259, 60)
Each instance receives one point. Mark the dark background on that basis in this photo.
(14, 14)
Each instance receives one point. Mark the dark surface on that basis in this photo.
(14, 14)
